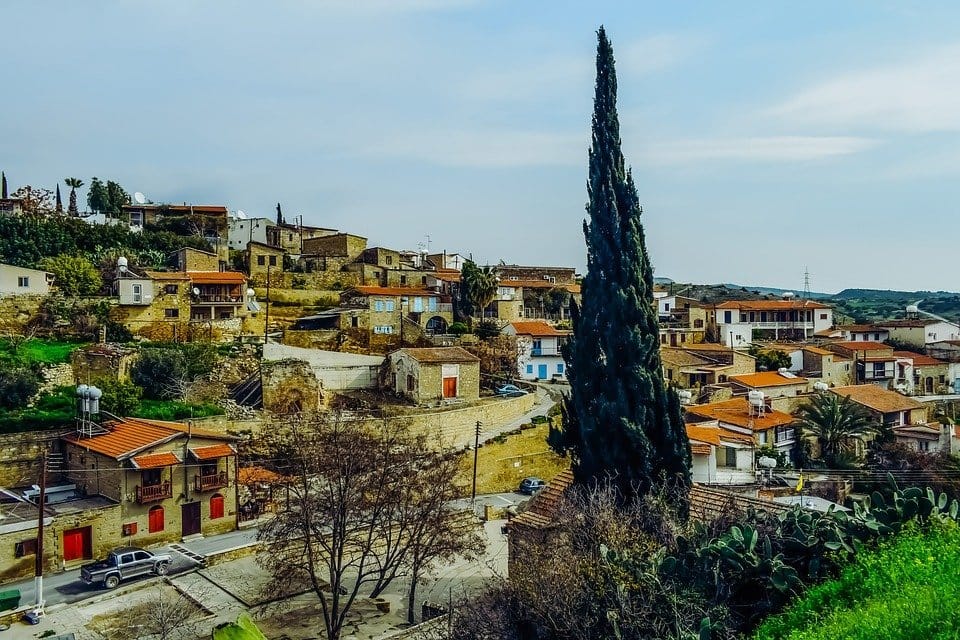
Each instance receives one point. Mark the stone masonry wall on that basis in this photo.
(20, 456)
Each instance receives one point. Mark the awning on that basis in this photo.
(212, 452)
(155, 460)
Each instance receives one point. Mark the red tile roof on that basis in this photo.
(129, 436)
(737, 412)
(766, 379)
(217, 277)
(537, 328)
(543, 507)
(440, 355)
(700, 449)
(919, 359)
(706, 434)
(880, 400)
(213, 451)
(858, 345)
(155, 460)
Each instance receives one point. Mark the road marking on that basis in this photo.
(197, 558)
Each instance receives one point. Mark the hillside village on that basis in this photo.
(155, 367)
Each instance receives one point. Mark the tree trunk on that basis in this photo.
(411, 600)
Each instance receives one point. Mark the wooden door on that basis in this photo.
(449, 387)
(191, 518)
(77, 544)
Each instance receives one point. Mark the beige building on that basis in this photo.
(767, 426)
(873, 362)
(338, 245)
(905, 416)
(171, 481)
(155, 303)
(19, 281)
(263, 259)
(435, 375)
(386, 307)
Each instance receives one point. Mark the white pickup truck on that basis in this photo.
(123, 563)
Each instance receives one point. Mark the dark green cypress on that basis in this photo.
(3, 185)
(620, 418)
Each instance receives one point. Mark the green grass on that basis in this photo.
(36, 350)
(906, 589)
(172, 410)
(51, 411)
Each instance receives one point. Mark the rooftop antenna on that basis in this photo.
(139, 198)
(428, 243)
(806, 283)
(241, 215)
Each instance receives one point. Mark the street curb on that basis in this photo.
(121, 591)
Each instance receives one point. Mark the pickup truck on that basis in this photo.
(123, 563)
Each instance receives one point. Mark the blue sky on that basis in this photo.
(765, 138)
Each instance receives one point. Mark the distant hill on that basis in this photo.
(856, 305)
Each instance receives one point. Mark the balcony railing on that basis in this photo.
(154, 492)
(545, 352)
(870, 374)
(211, 481)
(783, 324)
(218, 298)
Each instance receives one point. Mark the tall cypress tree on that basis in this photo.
(3, 185)
(620, 417)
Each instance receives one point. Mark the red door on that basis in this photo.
(77, 544)
(216, 506)
(449, 387)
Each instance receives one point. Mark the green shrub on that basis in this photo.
(17, 386)
(172, 410)
(458, 328)
(121, 398)
(907, 588)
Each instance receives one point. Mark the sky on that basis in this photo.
(766, 139)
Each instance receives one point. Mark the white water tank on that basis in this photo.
(783, 371)
(787, 295)
(766, 462)
(755, 398)
(686, 396)
(820, 386)
(912, 308)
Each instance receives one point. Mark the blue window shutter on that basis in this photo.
(529, 368)
(560, 368)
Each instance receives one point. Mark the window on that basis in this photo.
(389, 260)
(729, 457)
(171, 313)
(560, 368)
(683, 337)
(25, 548)
(411, 383)
(290, 237)
(355, 321)
(170, 288)
(666, 306)
(762, 437)
(403, 279)
(924, 445)
(879, 369)
(23, 281)
(431, 304)
(669, 374)
(383, 328)
(876, 337)
(261, 260)
(273, 261)
(423, 279)
(155, 519)
(698, 324)
(529, 368)
(743, 317)
(138, 293)
(216, 506)
(378, 305)
(823, 316)
(391, 305)
(728, 317)
(941, 379)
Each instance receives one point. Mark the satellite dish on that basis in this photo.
(241, 215)
(196, 291)
(139, 198)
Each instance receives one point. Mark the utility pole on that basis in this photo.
(38, 566)
(266, 320)
(476, 450)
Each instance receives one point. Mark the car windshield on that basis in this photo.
(112, 560)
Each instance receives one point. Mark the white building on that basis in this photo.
(241, 231)
(741, 322)
(538, 347)
(22, 281)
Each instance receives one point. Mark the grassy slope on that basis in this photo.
(496, 470)
(907, 589)
(41, 351)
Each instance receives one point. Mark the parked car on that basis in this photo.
(123, 563)
(510, 391)
(530, 486)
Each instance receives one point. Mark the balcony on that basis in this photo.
(549, 351)
(214, 299)
(786, 436)
(785, 324)
(154, 492)
(210, 481)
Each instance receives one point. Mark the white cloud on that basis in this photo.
(917, 95)
(754, 149)
(493, 148)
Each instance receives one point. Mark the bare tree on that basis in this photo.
(170, 615)
(353, 502)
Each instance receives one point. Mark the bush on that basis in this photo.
(121, 398)
(458, 328)
(17, 386)
(51, 411)
(74, 275)
(172, 410)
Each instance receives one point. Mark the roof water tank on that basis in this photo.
(755, 398)
(820, 386)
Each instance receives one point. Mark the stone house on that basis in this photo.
(152, 302)
(341, 248)
(434, 374)
(211, 220)
(919, 332)
(263, 259)
(873, 362)
(536, 524)
(171, 481)
(539, 346)
(828, 366)
(386, 309)
(919, 374)
(905, 416)
(190, 259)
(741, 322)
(20, 281)
(293, 238)
(103, 363)
(217, 295)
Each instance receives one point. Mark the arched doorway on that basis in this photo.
(929, 384)
(437, 324)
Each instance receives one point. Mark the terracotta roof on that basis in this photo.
(858, 345)
(700, 449)
(919, 359)
(155, 460)
(254, 475)
(392, 291)
(537, 328)
(212, 452)
(440, 355)
(129, 436)
(819, 351)
(922, 431)
(543, 506)
(736, 411)
(684, 358)
(707, 434)
(706, 346)
(880, 400)
(909, 322)
(217, 277)
(858, 328)
(708, 504)
(180, 208)
(767, 379)
(772, 305)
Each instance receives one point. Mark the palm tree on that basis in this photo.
(478, 287)
(836, 422)
(74, 184)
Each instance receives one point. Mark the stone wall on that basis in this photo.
(290, 386)
(17, 310)
(20, 456)
(57, 375)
